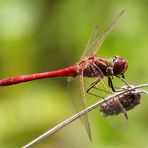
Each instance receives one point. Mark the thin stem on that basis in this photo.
(81, 113)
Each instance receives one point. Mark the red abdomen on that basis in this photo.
(70, 71)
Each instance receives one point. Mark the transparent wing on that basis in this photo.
(93, 35)
(91, 39)
(77, 92)
(94, 45)
(118, 122)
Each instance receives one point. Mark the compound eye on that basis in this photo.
(119, 65)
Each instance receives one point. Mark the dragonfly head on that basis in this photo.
(119, 65)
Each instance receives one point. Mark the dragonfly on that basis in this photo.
(89, 65)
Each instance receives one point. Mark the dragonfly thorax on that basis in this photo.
(96, 67)
(100, 67)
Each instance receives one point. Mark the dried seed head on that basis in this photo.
(128, 100)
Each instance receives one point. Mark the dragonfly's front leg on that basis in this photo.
(122, 78)
(110, 84)
(110, 72)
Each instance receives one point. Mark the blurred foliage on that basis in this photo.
(44, 35)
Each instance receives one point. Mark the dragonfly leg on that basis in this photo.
(108, 92)
(110, 83)
(95, 95)
(122, 78)
(102, 90)
(93, 86)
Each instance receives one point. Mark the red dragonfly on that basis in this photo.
(89, 66)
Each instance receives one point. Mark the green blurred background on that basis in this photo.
(44, 35)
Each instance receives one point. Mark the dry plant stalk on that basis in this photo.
(119, 102)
